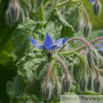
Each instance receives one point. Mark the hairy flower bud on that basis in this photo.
(46, 92)
(66, 84)
(77, 26)
(12, 12)
(90, 59)
(97, 7)
(57, 91)
(89, 83)
(97, 84)
(21, 17)
(83, 85)
(87, 30)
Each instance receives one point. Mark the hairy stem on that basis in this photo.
(97, 72)
(77, 38)
(49, 71)
(89, 42)
(65, 68)
(85, 14)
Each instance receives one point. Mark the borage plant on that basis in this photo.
(47, 71)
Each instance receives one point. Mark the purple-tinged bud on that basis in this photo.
(46, 92)
(97, 7)
(83, 84)
(90, 83)
(21, 17)
(98, 84)
(66, 84)
(12, 12)
(87, 30)
(57, 91)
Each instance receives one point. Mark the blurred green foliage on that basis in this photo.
(96, 21)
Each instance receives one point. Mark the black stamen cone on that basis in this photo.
(49, 56)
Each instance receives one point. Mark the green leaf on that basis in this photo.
(37, 4)
(34, 88)
(67, 28)
(27, 65)
(17, 87)
(66, 32)
(40, 68)
(21, 43)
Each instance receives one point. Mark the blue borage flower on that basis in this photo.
(49, 46)
(92, 1)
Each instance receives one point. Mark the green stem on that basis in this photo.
(77, 38)
(41, 16)
(55, 74)
(49, 71)
(85, 14)
(66, 2)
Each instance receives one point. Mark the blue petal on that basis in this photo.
(56, 47)
(41, 47)
(32, 41)
(92, 1)
(59, 41)
(99, 44)
(64, 40)
(48, 42)
(101, 49)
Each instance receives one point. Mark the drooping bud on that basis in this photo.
(90, 83)
(90, 59)
(98, 84)
(83, 84)
(12, 12)
(57, 91)
(87, 30)
(66, 84)
(97, 7)
(21, 17)
(46, 92)
(77, 26)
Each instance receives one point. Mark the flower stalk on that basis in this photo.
(85, 14)
(49, 71)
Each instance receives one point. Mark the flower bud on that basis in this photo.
(87, 30)
(66, 84)
(97, 7)
(12, 12)
(57, 91)
(46, 92)
(90, 59)
(83, 85)
(89, 83)
(21, 17)
(77, 26)
(97, 84)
